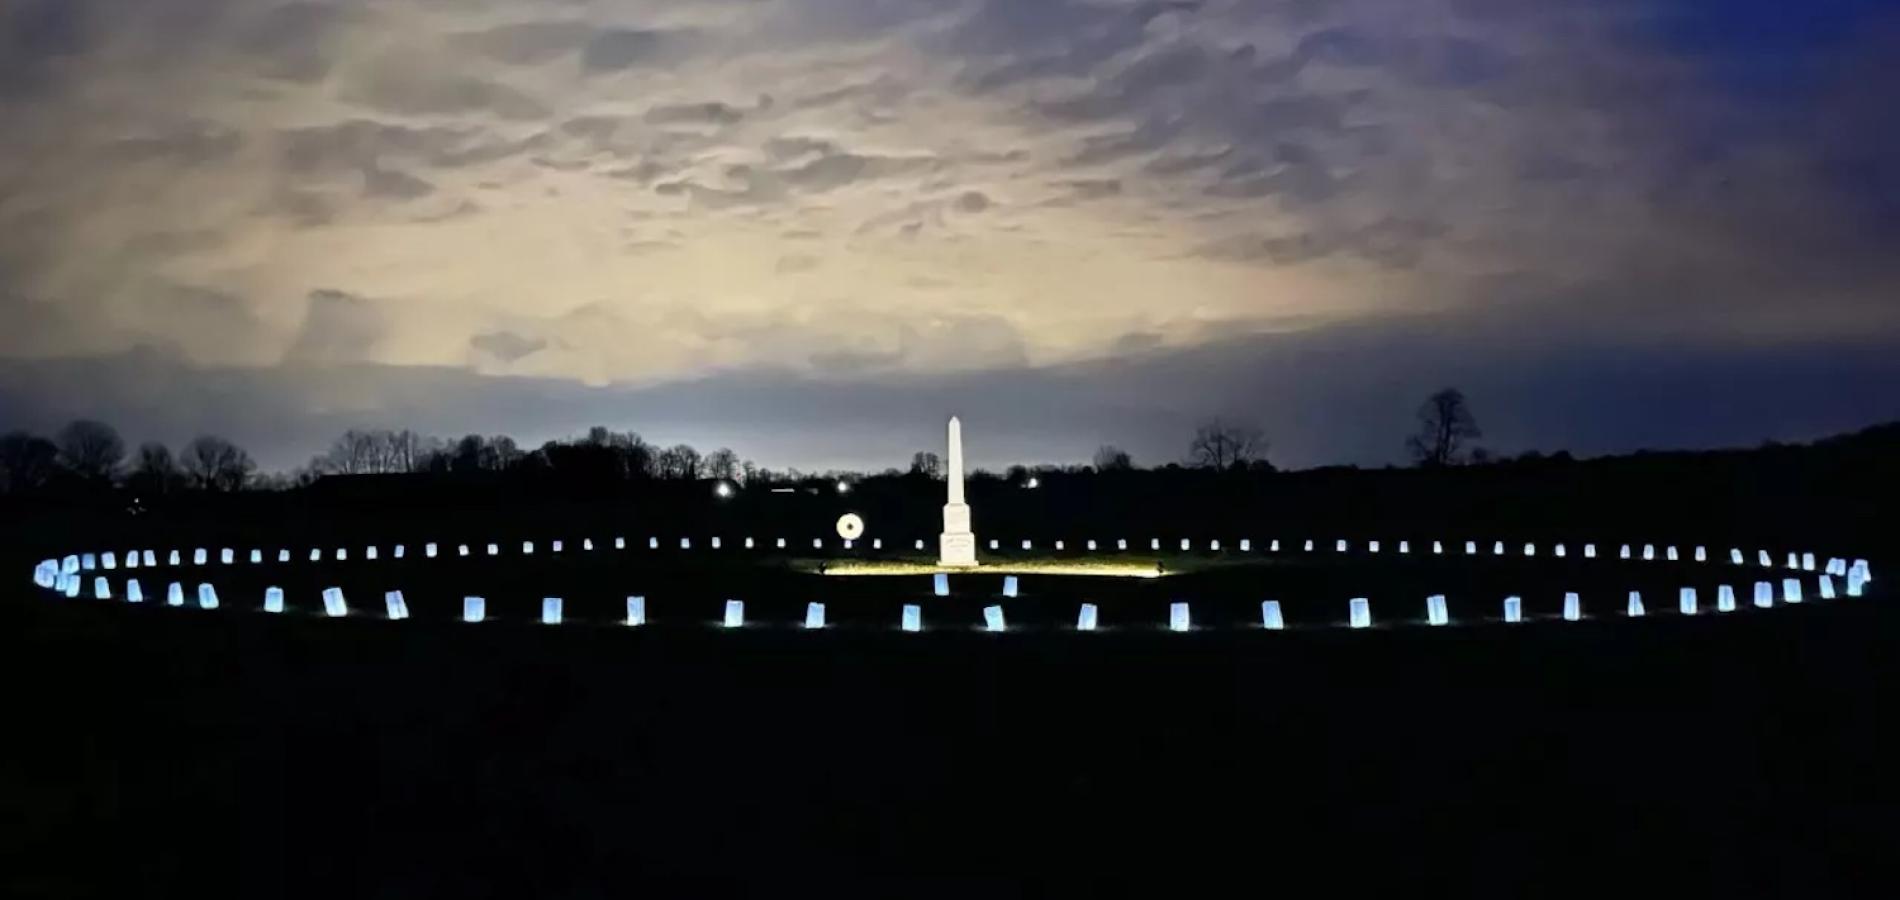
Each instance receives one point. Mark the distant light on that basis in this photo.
(722, 490)
(844, 487)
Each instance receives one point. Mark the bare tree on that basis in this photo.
(215, 464)
(1445, 426)
(721, 465)
(927, 464)
(154, 471)
(679, 462)
(1221, 445)
(1110, 458)
(92, 450)
(27, 461)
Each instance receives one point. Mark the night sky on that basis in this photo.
(812, 229)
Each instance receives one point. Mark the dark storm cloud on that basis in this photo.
(506, 346)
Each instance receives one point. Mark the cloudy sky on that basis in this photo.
(810, 229)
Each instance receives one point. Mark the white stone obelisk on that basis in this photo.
(957, 545)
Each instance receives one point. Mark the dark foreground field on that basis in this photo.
(155, 752)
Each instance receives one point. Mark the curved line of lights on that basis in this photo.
(64, 577)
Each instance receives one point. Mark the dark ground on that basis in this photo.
(159, 752)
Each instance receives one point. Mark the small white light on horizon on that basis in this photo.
(1438, 548)
(1033, 483)
(428, 549)
(844, 487)
(1471, 548)
(555, 547)
(1558, 551)
(1339, 546)
(1246, 545)
(527, 548)
(715, 544)
(494, 549)
(1185, 545)
(1372, 546)
(1530, 549)
(1497, 548)
(722, 490)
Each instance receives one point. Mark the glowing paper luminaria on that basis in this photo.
(1791, 590)
(474, 609)
(273, 600)
(101, 588)
(1636, 604)
(1623, 553)
(1671, 553)
(198, 556)
(555, 547)
(1009, 585)
(1530, 549)
(1211, 545)
(397, 608)
(913, 617)
(1573, 607)
(1121, 543)
(1360, 612)
(1766, 562)
(1405, 546)
(72, 585)
(428, 549)
(1435, 612)
(1471, 548)
(1085, 618)
(108, 560)
(1725, 599)
(1372, 546)
(133, 592)
(1856, 582)
(257, 556)
(369, 552)
(333, 605)
(1309, 546)
(151, 558)
(620, 543)
(174, 594)
(715, 544)
(1589, 551)
(342, 553)
(1438, 547)
(494, 549)
(1686, 601)
(399, 551)
(735, 613)
(1558, 551)
(227, 556)
(1701, 554)
(207, 597)
(1649, 552)
(172, 560)
(940, 584)
(550, 610)
(316, 555)
(1270, 617)
(814, 615)
(1340, 546)
(1735, 556)
(461, 550)
(1497, 548)
(1178, 619)
(283, 556)
(636, 611)
(1807, 562)
(1764, 594)
(1826, 587)
(527, 548)
(993, 618)
(1246, 546)
(1513, 609)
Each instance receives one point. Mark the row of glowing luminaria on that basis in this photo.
(63, 576)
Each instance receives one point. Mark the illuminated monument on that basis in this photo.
(957, 545)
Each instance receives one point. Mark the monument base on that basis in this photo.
(956, 550)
